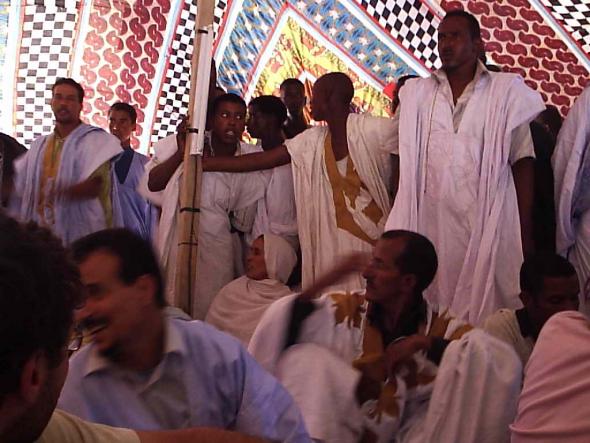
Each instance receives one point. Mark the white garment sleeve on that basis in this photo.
(522, 144)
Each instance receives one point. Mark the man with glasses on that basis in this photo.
(39, 288)
(145, 370)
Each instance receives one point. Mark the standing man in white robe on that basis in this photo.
(276, 213)
(228, 201)
(466, 173)
(341, 173)
(571, 170)
(65, 181)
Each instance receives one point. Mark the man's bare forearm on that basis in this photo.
(524, 181)
(160, 175)
(249, 162)
(196, 435)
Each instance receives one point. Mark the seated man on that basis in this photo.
(362, 365)
(39, 287)
(137, 213)
(548, 285)
(276, 212)
(238, 307)
(554, 405)
(148, 371)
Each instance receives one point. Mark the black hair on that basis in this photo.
(70, 82)
(293, 82)
(536, 268)
(39, 289)
(474, 28)
(136, 256)
(418, 257)
(227, 98)
(272, 106)
(127, 108)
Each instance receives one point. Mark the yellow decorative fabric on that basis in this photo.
(348, 187)
(104, 172)
(49, 170)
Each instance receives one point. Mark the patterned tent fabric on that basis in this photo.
(139, 51)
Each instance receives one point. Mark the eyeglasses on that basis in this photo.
(75, 342)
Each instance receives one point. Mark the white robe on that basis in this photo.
(322, 241)
(571, 170)
(276, 212)
(323, 369)
(85, 149)
(221, 193)
(240, 304)
(457, 189)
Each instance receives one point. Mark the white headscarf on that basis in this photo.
(239, 305)
(279, 256)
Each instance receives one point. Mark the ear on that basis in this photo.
(409, 282)
(525, 298)
(33, 377)
(146, 286)
(133, 127)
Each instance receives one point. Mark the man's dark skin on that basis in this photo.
(293, 96)
(330, 102)
(160, 175)
(459, 51)
(264, 127)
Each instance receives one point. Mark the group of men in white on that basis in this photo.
(421, 298)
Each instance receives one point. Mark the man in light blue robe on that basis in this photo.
(138, 215)
(147, 370)
(65, 181)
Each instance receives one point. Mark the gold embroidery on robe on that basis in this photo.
(348, 187)
(49, 170)
(349, 307)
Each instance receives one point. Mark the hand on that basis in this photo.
(348, 265)
(85, 190)
(401, 351)
(181, 134)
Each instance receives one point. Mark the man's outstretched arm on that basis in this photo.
(248, 162)
(196, 435)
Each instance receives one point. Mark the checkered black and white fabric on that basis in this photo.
(410, 22)
(45, 55)
(174, 98)
(575, 17)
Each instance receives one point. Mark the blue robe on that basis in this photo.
(137, 213)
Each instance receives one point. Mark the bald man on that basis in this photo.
(341, 175)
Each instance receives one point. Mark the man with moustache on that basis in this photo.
(362, 365)
(145, 370)
(64, 182)
(39, 289)
(466, 162)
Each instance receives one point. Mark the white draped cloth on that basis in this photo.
(321, 239)
(84, 150)
(276, 212)
(238, 307)
(221, 194)
(337, 345)
(571, 170)
(456, 188)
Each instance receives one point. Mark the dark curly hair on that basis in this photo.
(39, 289)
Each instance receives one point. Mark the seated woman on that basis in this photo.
(239, 305)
